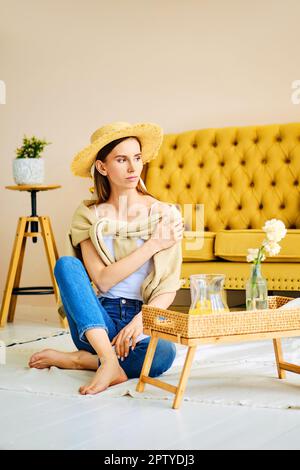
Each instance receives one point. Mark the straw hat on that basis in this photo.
(149, 134)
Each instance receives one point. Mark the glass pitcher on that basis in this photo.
(207, 294)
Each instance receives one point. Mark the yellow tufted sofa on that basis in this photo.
(233, 179)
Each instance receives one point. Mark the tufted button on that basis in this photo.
(175, 146)
(252, 184)
(214, 144)
(240, 207)
(180, 165)
(206, 228)
(208, 185)
(243, 162)
(201, 165)
(273, 183)
(264, 161)
(218, 207)
(168, 186)
(249, 227)
(227, 227)
(279, 138)
(161, 167)
(222, 163)
(230, 184)
(282, 206)
(296, 183)
(287, 160)
(188, 185)
(194, 145)
(235, 143)
(256, 140)
(261, 206)
(293, 226)
(123, 301)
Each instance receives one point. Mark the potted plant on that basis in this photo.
(28, 166)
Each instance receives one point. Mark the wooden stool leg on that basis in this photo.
(13, 302)
(14, 271)
(184, 376)
(53, 239)
(52, 256)
(279, 358)
(147, 363)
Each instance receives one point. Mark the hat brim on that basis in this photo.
(149, 134)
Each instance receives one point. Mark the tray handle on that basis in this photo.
(161, 320)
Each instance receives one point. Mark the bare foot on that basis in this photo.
(64, 360)
(109, 373)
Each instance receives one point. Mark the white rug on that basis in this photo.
(241, 374)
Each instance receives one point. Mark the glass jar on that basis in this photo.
(207, 294)
(256, 290)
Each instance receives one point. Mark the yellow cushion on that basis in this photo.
(233, 245)
(198, 246)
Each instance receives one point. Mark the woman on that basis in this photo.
(107, 330)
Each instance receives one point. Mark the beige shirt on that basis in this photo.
(165, 275)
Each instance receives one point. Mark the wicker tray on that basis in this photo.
(224, 324)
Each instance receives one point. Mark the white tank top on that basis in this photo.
(130, 287)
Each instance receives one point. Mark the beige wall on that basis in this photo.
(71, 66)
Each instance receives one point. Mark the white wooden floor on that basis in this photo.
(29, 421)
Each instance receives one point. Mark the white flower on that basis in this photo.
(275, 230)
(272, 248)
(252, 254)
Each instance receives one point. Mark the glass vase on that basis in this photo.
(207, 294)
(256, 290)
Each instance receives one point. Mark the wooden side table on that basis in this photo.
(12, 286)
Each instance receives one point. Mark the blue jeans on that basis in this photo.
(85, 310)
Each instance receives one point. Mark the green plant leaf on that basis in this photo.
(32, 147)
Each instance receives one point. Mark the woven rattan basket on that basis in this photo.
(223, 324)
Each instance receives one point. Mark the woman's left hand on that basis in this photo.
(129, 332)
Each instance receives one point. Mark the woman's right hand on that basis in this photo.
(167, 232)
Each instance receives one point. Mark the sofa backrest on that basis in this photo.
(242, 175)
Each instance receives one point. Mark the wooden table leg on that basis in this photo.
(147, 363)
(279, 357)
(184, 376)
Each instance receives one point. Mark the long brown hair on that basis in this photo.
(101, 183)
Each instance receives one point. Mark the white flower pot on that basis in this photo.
(29, 170)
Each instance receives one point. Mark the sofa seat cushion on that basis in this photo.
(198, 246)
(232, 245)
